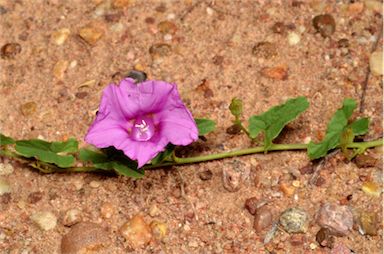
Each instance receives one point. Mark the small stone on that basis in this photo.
(234, 129)
(206, 175)
(71, 217)
(167, 27)
(234, 175)
(81, 95)
(28, 108)
(85, 237)
(137, 75)
(4, 187)
(365, 161)
(371, 188)
(60, 68)
(355, 8)
(149, 20)
(161, 8)
(60, 36)
(276, 73)
(35, 197)
(107, 210)
(297, 240)
(159, 230)
(293, 38)
(279, 28)
(251, 204)
(264, 50)
(113, 17)
(45, 220)
(137, 232)
(263, 218)
(287, 189)
(218, 60)
(294, 220)
(368, 223)
(95, 184)
(376, 63)
(324, 238)
(324, 24)
(91, 33)
(343, 43)
(338, 219)
(6, 169)
(160, 50)
(10, 50)
(154, 211)
(312, 246)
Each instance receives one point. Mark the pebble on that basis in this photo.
(343, 43)
(264, 50)
(337, 218)
(10, 50)
(294, 220)
(159, 230)
(205, 175)
(233, 129)
(60, 68)
(95, 184)
(279, 28)
(71, 217)
(107, 210)
(287, 189)
(376, 63)
(6, 169)
(60, 36)
(91, 34)
(297, 239)
(324, 238)
(137, 232)
(138, 76)
(35, 197)
(367, 223)
(324, 24)
(160, 50)
(365, 161)
(263, 218)
(154, 211)
(4, 187)
(293, 38)
(81, 95)
(251, 204)
(234, 175)
(167, 27)
(83, 238)
(45, 220)
(371, 188)
(276, 73)
(355, 9)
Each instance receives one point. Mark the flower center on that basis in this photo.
(143, 129)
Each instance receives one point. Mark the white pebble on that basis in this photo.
(6, 169)
(167, 37)
(4, 187)
(293, 38)
(45, 220)
(209, 11)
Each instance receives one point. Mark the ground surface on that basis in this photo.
(50, 88)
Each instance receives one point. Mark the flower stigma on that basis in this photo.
(143, 129)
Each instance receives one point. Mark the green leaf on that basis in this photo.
(236, 107)
(205, 126)
(273, 121)
(121, 165)
(335, 129)
(346, 138)
(41, 150)
(360, 126)
(163, 155)
(69, 146)
(4, 140)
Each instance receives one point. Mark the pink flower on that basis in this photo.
(141, 119)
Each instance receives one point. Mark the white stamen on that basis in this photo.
(143, 127)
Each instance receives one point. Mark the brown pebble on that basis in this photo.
(264, 50)
(10, 50)
(160, 50)
(343, 43)
(365, 161)
(81, 95)
(84, 237)
(297, 239)
(356, 8)
(60, 68)
(320, 181)
(91, 33)
(368, 223)
(167, 27)
(263, 218)
(279, 28)
(251, 204)
(276, 73)
(28, 108)
(113, 17)
(205, 89)
(337, 218)
(218, 60)
(324, 24)
(149, 20)
(233, 129)
(206, 175)
(35, 197)
(307, 169)
(5, 198)
(161, 8)
(324, 238)
(137, 232)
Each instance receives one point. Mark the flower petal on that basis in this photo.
(143, 152)
(106, 132)
(154, 95)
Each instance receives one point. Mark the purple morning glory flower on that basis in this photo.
(141, 119)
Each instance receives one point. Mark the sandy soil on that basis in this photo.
(50, 86)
